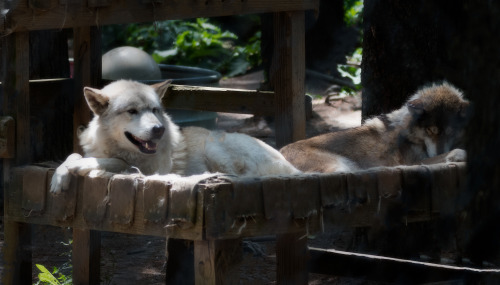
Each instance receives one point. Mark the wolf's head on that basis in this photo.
(438, 117)
(129, 114)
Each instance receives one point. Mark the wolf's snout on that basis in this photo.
(158, 131)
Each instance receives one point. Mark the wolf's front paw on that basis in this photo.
(61, 179)
(62, 176)
(456, 155)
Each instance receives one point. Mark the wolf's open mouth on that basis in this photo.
(148, 147)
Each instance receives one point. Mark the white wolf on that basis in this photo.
(131, 130)
(427, 129)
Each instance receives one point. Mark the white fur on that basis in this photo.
(190, 151)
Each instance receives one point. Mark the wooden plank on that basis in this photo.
(96, 199)
(287, 76)
(74, 212)
(64, 204)
(417, 191)
(333, 190)
(363, 198)
(305, 199)
(7, 137)
(34, 190)
(215, 261)
(216, 206)
(67, 15)
(156, 198)
(122, 196)
(393, 270)
(277, 203)
(219, 100)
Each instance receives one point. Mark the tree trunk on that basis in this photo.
(411, 43)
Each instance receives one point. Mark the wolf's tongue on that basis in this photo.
(144, 146)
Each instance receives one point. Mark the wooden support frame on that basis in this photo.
(17, 249)
(87, 72)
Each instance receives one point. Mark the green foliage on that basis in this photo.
(203, 44)
(352, 70)
(195, 42)
(47, 277)
(353, 12)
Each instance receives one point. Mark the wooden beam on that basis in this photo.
(219, 100)
(83, 13)
(287, 76)
(394, 270)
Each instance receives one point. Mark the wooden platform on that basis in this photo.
(208, 207)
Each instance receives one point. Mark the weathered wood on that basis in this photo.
(7, 137)
(393, 270)
(333, 190)
(72, 214)
(15, 61)
(64, 205)
(71, 14)
(34, 190)
(214, 259)
(287, 77)
(291, 258)
(87, 72)
(15, 51)
(122, 196)
(86, 256)
(363, 198)
(16, 253)
(156, 197)
(219, 100)
(96, 199)
(305, 198)
(416, 182)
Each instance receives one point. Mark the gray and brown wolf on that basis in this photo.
(427, 129)
(130, 130)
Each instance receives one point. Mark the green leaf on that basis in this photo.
(46, 276)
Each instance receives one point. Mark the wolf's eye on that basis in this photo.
(156, 110)
(432, 130)
(132, 111)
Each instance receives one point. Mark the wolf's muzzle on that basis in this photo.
(157, 131)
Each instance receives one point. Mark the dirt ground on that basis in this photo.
(129, 259)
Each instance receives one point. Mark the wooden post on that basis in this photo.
(15, 57)
(214, 260)
(87, 72)
(291, 259)
(86, 256)
(287, 76)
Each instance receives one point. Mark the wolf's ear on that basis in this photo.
(97, 101)
(161, 88)
(416, 107)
